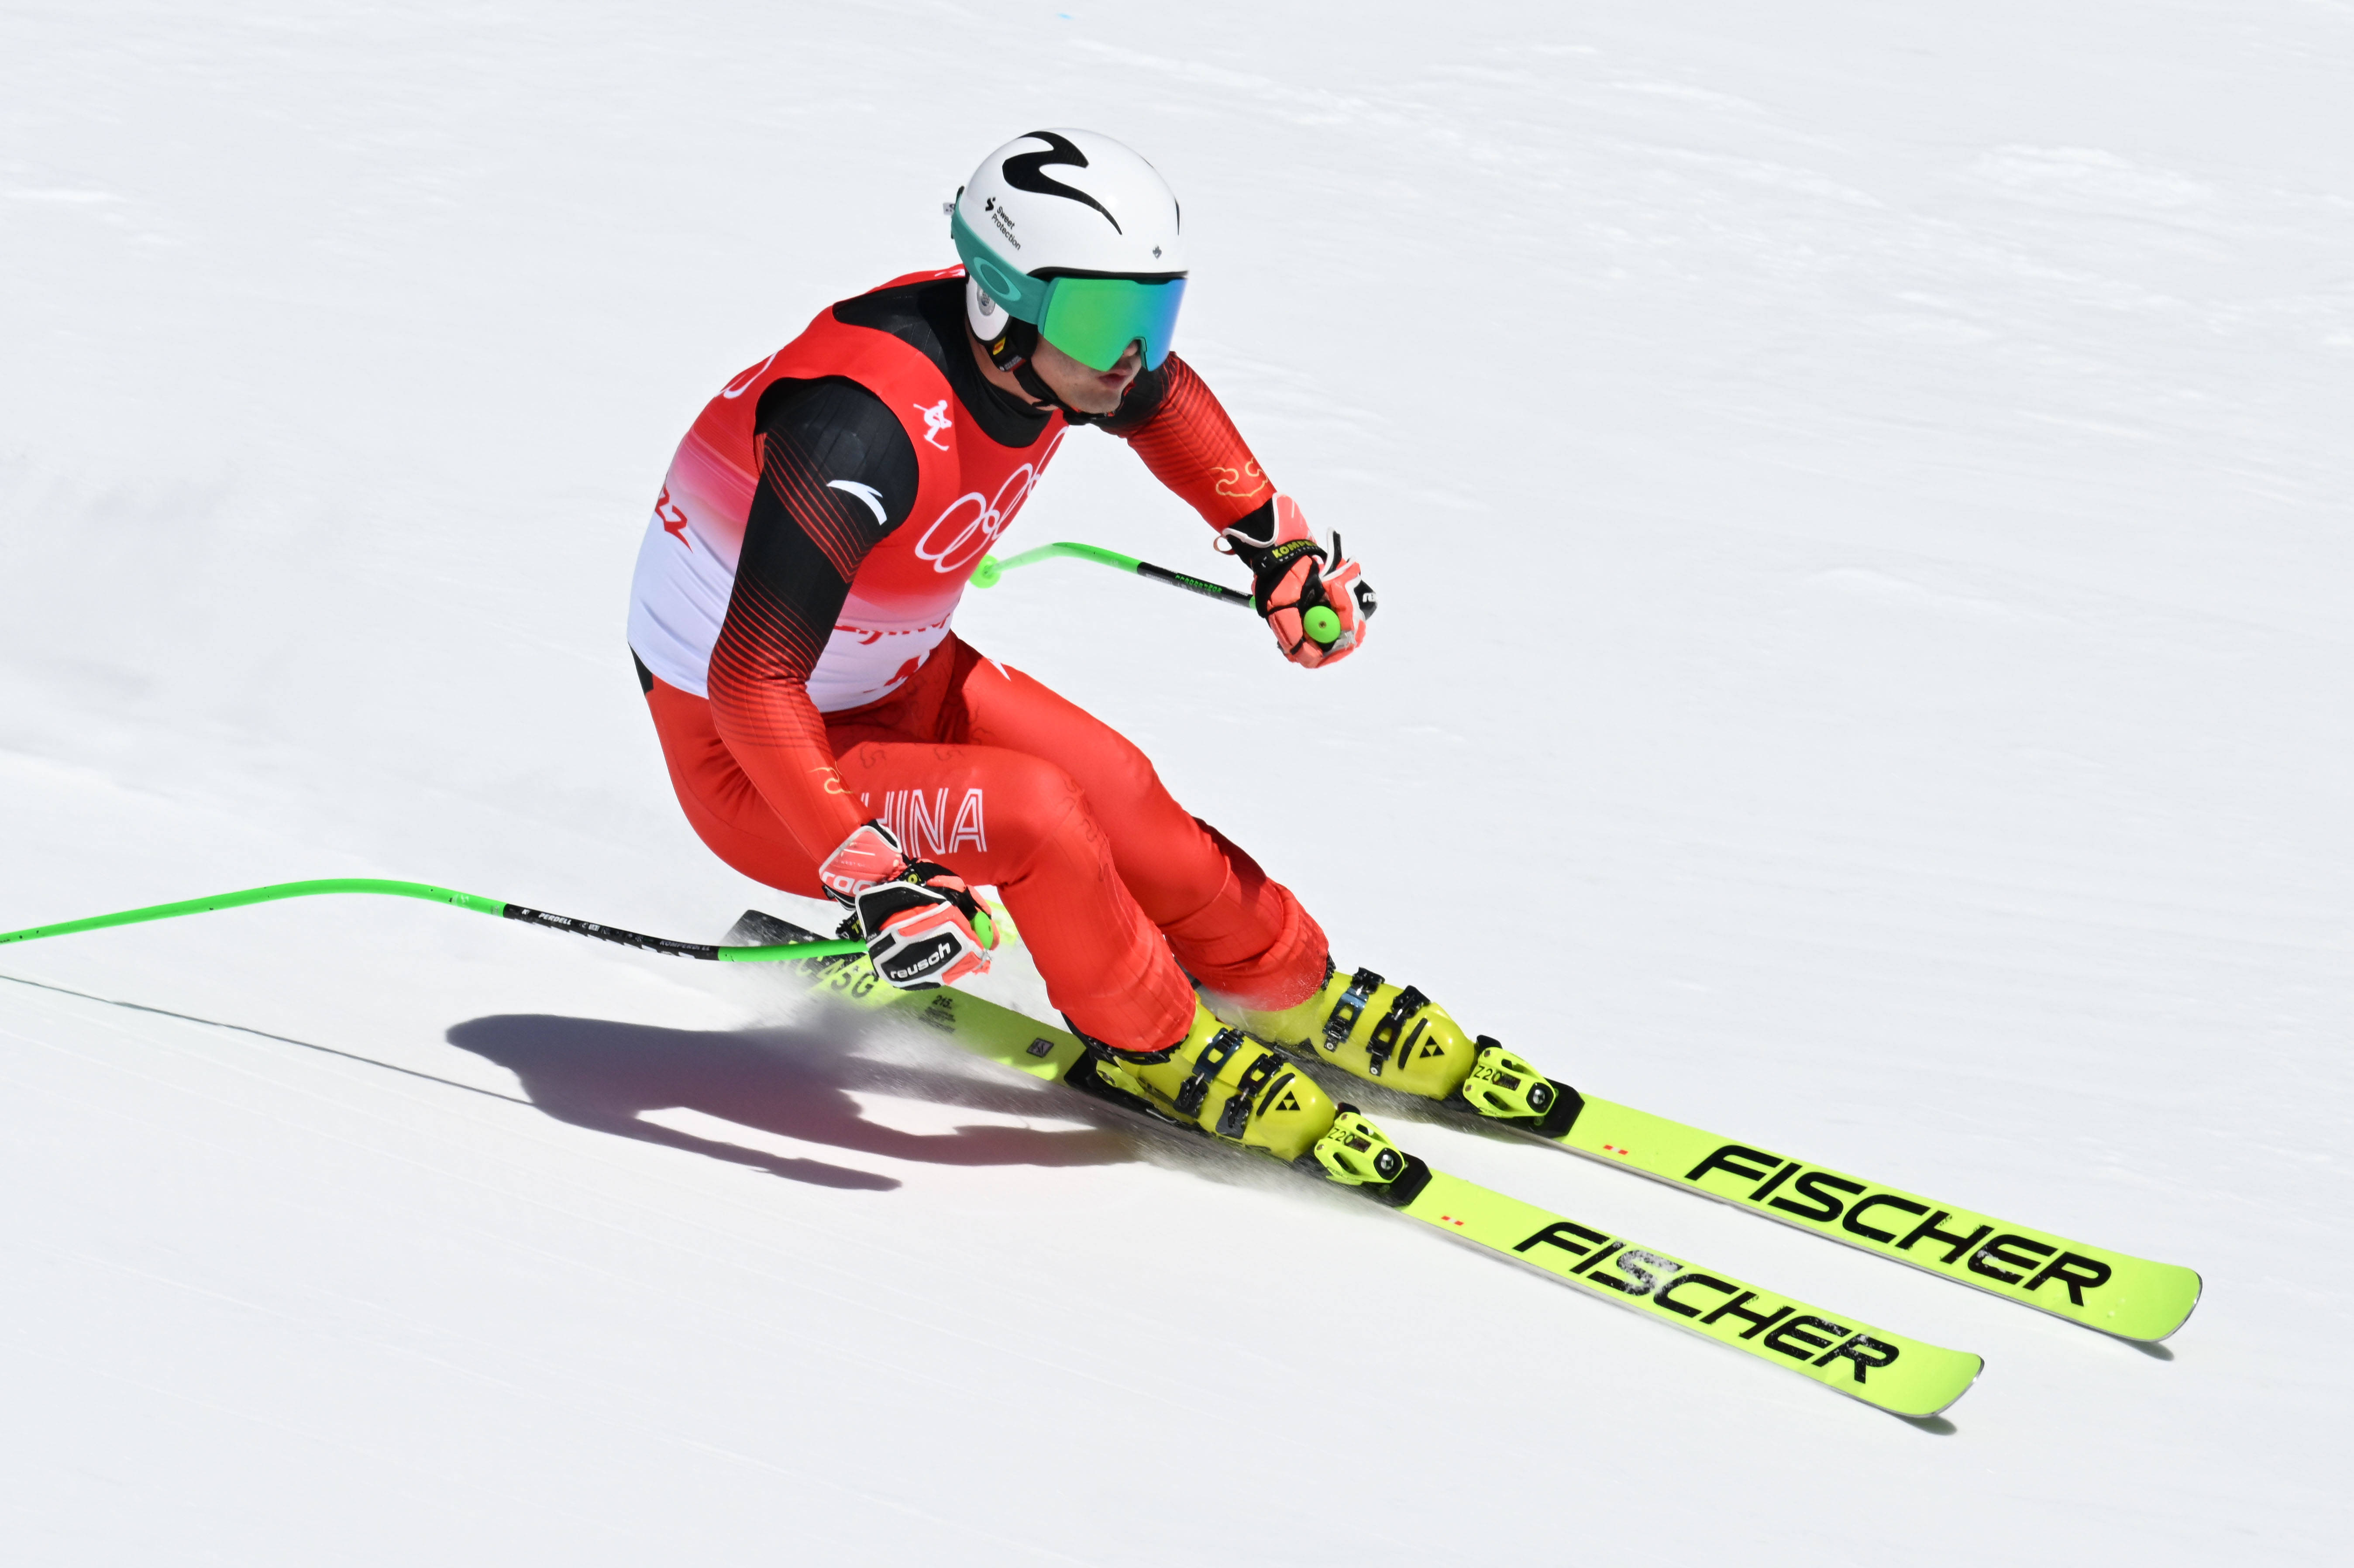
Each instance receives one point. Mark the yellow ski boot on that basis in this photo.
(1226, 1084)
(1394, 1035)
(1221, 1081)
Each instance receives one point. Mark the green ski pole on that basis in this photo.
(431, 894)
(1320, 622)
(991, 569)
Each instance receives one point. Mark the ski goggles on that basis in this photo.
(1091, 316)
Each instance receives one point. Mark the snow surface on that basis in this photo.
(1859, 496)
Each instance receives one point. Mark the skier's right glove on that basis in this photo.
(923, 927)
(1312, 596)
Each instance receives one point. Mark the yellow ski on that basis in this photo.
(2112, 1292)
(1908, 1377)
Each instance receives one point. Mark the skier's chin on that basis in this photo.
(1100, 395)
(1084, 387)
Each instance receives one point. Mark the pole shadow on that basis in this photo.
(793, 1081)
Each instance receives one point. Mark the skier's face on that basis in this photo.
(1088, 390)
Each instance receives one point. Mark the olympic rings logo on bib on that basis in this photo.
(969, 524)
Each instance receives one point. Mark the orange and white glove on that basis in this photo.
(923, 926)
(1313, 598)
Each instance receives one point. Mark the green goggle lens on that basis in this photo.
(1094, 320)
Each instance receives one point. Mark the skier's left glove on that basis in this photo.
(923, 927)
(1312, 596)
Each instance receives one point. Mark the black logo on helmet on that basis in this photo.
(1028, 173)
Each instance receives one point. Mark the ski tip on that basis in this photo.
(2190, 1304)
(2161, 1298)
(1978, 1365)
(1966, 1366)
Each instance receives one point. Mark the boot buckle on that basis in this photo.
(1350, 1008)
(1207, 1067)
(1385, 1033)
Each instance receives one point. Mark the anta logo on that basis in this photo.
(746, 382)
(936, 420)
(866, 495)
(1664, 1282)
(1824, 1198)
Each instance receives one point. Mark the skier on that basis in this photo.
(828, 733)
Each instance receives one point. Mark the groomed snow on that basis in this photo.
(1859, 497)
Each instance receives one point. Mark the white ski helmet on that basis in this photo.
(1077, 236)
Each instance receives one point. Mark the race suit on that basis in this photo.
(790, 620)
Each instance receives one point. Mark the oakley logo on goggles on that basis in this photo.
(1091, 316)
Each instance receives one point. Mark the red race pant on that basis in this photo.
(1114, 885)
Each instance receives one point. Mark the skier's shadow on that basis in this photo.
(796, 1082)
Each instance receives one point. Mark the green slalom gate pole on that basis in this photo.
(1320, 622)
(433, 894)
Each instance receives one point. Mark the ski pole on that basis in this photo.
(1320, 623)
(990, 569)
(432, 895)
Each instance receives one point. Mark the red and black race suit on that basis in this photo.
(814, 534)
